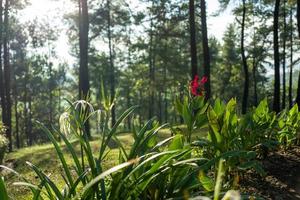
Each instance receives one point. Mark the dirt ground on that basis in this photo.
(282, 181)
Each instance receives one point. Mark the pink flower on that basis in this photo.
(197, 87)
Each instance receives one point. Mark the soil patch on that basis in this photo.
(282, 181)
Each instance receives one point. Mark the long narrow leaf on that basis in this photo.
(3, 191)
(103, 175)
(59, 152)
(50, 186)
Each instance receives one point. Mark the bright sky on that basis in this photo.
(54, 10)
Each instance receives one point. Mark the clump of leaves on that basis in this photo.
(289, 127)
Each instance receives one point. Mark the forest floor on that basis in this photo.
(282, 181)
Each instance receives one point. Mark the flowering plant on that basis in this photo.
(197, 87)
(192, 108)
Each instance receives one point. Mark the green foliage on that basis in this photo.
(238, 139)
(289, 127)
(171, 168)
(3, 142)
(139, 173)
(192, 109)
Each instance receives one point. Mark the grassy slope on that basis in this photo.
(44, 156)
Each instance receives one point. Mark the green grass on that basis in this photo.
(44, 156)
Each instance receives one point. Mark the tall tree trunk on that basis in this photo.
(245, 64)
(254, 70)
(165, 92)
(30, 134)
(15, 94)
(298, 25)
(276, 102)
(84, 85)
(166, 106)
(160, 107)
(291, 61)
(7, 77)
(128, 106)
(284, 57)
(25, 108)
(193, 38)
(254, 61)
(140, 109)
(111, 62)
(2, 88)
(50, 86)
(206, 53)
(50, 95)
(298, 16)
(151, 70)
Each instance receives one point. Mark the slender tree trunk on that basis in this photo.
(16, 112)
(166, 106)
(50, 86)
(181, 94)
(111, 62)
(151, 71)
(50, 96)
(25, 111)
(206, 53)
(140, 109)
(160, 106)
(298, 25)
(193, 38)
(254, 65)
(284, 57)
(59, 99)
(254, 70)
(7, 77)
(291, 61)
(30, 134)
(2, 88)
(84, 85)
(276, 102)
(298, 16)
(165, 93)
(245, 64)
(128, 106)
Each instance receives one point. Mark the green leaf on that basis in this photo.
(102, 176)
(219, 107)
(177, 143)
(207, 182)
(187, 116)
(178, 106)
(58, 152)
(49, 185)
(3, 191)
